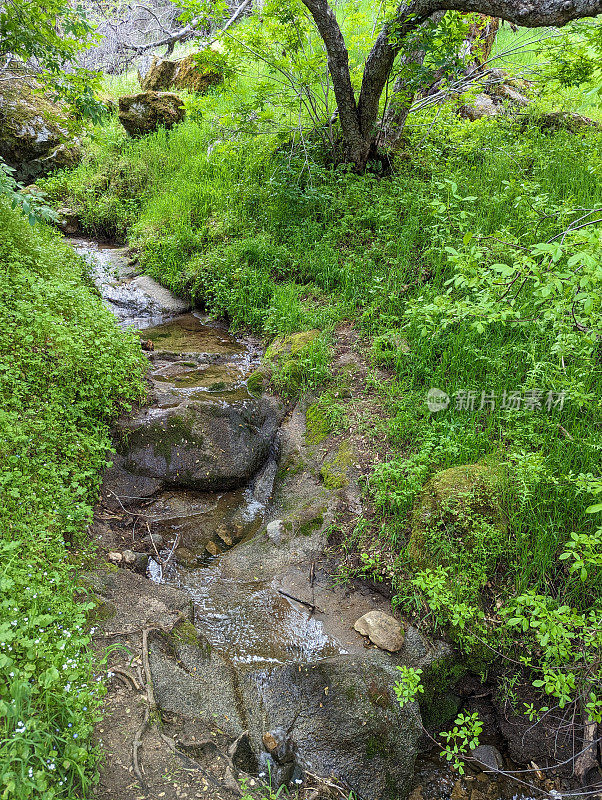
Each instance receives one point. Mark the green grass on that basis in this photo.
(65, 370)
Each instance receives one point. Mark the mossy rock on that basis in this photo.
(36, 135)
(257, 381)
(291, 345)
(285, 356)
(146, 112)
(335, 470)
(160, 75)
(455, 500)
(195, 77)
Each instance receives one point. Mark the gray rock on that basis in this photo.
(488, 757)
(482, 106)
(342, 719)
(275, 531)
(382, 629)
(145, 112)
(202, 445)
(159, 300)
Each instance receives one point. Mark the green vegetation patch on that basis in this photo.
(65, 370)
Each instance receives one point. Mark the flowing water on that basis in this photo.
(195, 357)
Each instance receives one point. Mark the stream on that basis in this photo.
(252, 603)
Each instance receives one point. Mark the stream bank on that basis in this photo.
(236, 639)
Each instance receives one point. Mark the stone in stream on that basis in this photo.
(206, 446)
(342, 721)
(382, 629)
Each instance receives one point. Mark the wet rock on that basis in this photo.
(222, 533)
(154, 540)
(279, 745)
(212, 548)
(36, 135)
(201, 445)
(488, 757)
(186, 557)
(343, 719)
(453, 500)
(158, 77)
(158, 298)
(144, 113)
(482, 106)
(383, 630)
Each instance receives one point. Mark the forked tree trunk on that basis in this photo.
(359, 117)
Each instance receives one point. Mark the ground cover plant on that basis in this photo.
(65, 370)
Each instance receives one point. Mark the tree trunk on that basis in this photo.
(359, 119)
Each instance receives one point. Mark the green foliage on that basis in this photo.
(65, 369)
(408, 687)
(52, 34)
(462, 738)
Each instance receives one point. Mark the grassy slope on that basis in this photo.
(259, 231)
(65, 369)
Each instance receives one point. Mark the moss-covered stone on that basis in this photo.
(145, 112)
(196, 76)
(456, 500)
(36, 135)
(160, 75)
(291, 345)
(335, 470)
(256, 382)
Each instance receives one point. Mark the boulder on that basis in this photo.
(194, 76)
(482, 106)
(382, 629)
(159, 76)
(203, 445)
(487, 757)
(36, 135)
(144, 113)
(342, 722)
(564, 120)
(453, 499)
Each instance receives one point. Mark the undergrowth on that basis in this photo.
(65, 370)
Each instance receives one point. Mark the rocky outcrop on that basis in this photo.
(146, 112)
(36, 135)
(482, 106)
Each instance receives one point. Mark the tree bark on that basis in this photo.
(359, 118)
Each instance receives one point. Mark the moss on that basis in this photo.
(456, 501)
(377, 746)
(102, 612)
(255, 382)
(317, 427)
(185, 633)
(335, 471)
(307, 528)
(290, 345)
(440, 710)
(196, 77)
